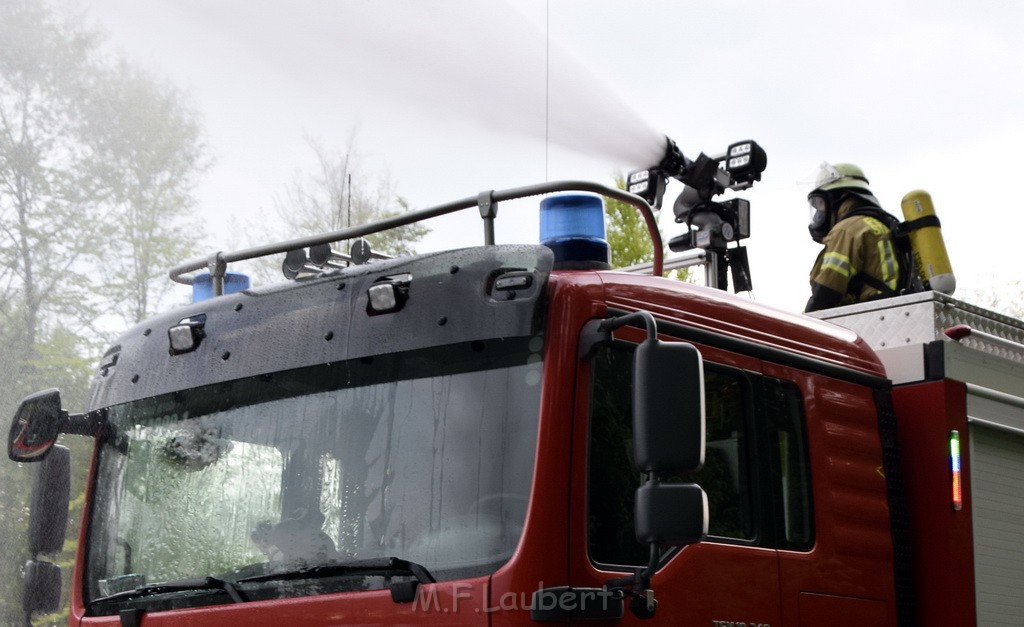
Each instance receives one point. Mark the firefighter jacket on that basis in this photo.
(858, 260)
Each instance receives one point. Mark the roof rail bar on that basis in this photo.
(217, 263)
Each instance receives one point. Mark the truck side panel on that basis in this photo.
(996, 447)
(942, 553)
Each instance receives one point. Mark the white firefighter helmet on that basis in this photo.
(840, 175)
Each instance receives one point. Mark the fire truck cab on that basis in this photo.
(508, 435)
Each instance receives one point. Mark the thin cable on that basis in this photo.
(547, 84)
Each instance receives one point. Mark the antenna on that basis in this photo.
(547, 85)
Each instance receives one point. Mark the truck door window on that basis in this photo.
(612, 481)
(752, 421)
(789, 459)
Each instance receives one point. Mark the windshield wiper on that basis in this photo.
(180, 585)
(384, 566)
(401, 591)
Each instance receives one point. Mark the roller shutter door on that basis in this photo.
(997, 483)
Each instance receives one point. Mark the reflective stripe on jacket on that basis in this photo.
(857, 245)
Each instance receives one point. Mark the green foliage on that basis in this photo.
(628, 237)
(147, 143)
(48, 202)
(15, 484)
(56, 362)
(52, 620)
(97, 164)
(626, 232)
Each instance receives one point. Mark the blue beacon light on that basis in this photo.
(202, 285)
(572, 226)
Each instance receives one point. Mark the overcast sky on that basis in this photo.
(455, 97)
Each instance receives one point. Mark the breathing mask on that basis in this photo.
(822, 215)
(831, 184)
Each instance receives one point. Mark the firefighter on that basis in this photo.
(860, 260)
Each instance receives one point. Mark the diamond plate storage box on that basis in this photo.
(922, 318)
(903, 331)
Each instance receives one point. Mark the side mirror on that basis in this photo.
(48, 513)
(668, 439)
(41, 592)
(668, 408)
(47, 526)
(674, 514)
(35, 427)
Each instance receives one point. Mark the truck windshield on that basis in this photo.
(426, 456)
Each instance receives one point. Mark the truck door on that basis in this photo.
(752, 475)
(835, 561)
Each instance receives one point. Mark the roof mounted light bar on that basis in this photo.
(486, 202)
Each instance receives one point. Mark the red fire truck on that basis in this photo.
(517, 434)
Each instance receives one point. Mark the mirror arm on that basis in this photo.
(636, 318)
(599, 332)
(638, 586)
(87, 424)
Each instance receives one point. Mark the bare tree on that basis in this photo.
(341, 194)
(1007, 300)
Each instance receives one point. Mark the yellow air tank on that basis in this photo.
(926, 240)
